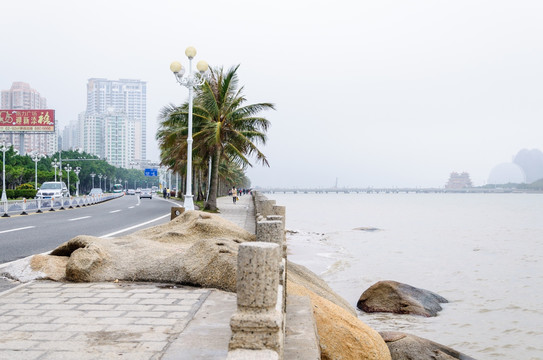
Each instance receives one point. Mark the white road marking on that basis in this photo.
(79, 218)
(134, 227)
(11, 230)
(131, 207)
(114, 211)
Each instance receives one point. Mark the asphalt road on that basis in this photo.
(22, 236)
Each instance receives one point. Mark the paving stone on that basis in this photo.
(136, 307)
(119, 301)
(155, 321)
(156, 301)
(106, 313)
(85, 300)
(31, 319)
(140, 314)
(20, 355)
(18, 344)
(97, 307)
(6, 326)
(33, 326)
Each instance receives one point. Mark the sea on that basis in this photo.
(482, 252)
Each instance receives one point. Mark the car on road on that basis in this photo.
(130, 192)
(96, 191)
(51, 189)
(146, 193)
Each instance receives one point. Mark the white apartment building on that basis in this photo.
(22, 97)
(117, 108)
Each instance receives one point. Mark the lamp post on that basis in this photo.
(36, 157)
(100, 177)
(3, 149)
(189, 81)
(68, 168)
(55, 164)
(77, 171)
(105, 183)
(92, 176)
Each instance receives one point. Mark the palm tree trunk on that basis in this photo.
(211, 203)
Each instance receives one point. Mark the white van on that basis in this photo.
(51, 189)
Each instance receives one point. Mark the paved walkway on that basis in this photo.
(47, 320)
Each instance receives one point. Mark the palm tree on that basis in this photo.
(224, 128)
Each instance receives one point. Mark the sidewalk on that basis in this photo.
(47, 320)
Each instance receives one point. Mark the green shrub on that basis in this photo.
(27, 186)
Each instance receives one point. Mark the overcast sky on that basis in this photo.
(371, 93)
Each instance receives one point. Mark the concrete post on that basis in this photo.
(257, 324)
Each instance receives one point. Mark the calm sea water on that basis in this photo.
(483, 252)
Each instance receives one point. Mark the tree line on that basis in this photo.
(20, 172)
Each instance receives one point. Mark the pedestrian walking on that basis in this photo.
(234, 194)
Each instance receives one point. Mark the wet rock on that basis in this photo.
(369, 229)
(341, 334)
(409, 347)
(398, 298)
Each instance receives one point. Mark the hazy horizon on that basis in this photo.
(381, 94)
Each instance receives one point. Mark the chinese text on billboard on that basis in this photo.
(27, 120)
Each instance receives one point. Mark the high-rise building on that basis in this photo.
(119, 139)
(121, 104)
(22, 97)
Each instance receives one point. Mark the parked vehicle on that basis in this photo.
(146, 193)
(96, 191)
(51, 189)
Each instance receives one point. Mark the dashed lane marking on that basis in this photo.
(79, 218)
(11, 230)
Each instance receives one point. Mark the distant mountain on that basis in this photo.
(531, 161)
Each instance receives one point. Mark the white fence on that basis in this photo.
(26, 206)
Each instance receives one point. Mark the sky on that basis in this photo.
(387, 93)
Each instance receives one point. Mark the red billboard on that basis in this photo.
(27, 120)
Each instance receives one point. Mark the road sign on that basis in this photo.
(151, 172)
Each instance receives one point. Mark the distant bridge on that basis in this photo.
(370, 190)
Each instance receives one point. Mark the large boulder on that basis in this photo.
(195, 248)
(341, 334)
(303, 276)
(398, 298)
(409, 347)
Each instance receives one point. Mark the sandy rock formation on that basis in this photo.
(407, 347)
(195, 248)
(398, 298)
(341, 334)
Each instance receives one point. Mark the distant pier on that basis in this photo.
(371, 190)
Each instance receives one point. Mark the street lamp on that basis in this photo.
(3, 149)
(77, 171)
(190, 81)
(55, 164)
(68, 168)
(105, 183)
(36, 157)
(92, 176)
(100, 177)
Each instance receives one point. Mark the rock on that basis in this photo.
(195, 248)
(303, 276)
(341, 334)
(369, 229)
(398, 298)
(212, 264)
(408, 347)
